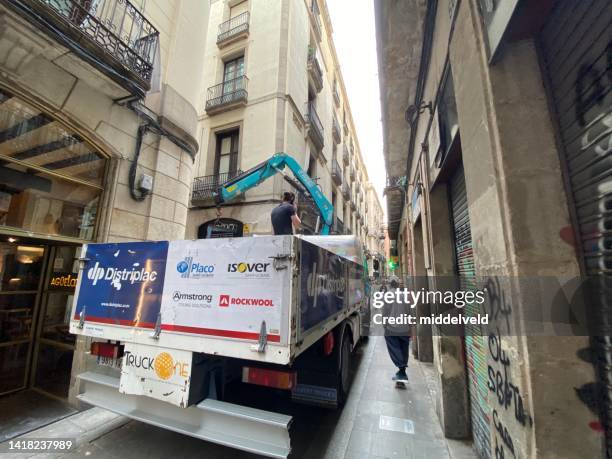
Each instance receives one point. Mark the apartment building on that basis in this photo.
(497, 135)
(98, 137)
(375, 231)
(274, 85)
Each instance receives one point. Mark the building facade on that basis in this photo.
(375, 232)
(273, 84)
(497, 147)
(98, 138)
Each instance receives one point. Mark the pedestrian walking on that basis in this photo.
(397, 337)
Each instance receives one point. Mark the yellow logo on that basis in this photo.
(164, 365)
(242, 267)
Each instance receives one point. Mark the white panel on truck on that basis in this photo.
(226, 287)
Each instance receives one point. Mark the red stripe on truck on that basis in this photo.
(218, 332)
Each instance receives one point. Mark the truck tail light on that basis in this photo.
(269, 378)
(328, 343)
(110, 350)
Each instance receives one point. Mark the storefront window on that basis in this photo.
(50, 178)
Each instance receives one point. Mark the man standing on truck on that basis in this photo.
(284, 216)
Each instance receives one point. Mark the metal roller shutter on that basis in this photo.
(576, 45)
(475, 343)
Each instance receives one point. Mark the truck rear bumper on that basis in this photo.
(244, 428)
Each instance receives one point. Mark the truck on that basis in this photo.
(175, 326)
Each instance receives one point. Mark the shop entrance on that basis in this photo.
(37, 284)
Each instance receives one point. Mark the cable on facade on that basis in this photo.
(152, 125)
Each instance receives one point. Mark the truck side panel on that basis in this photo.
(122, 284)
(329, 284)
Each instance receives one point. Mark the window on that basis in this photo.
(312, 167)
(239, 9)
(50, 178)
(226, 160)
(232, 73)
(233, 69)
(447, 109)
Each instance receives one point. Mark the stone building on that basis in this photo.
(98, 138)
(497, 140)
(273, 84)
(375, 235)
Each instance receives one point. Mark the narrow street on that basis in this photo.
(378, 421)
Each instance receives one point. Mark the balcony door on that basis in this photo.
(232, 72)
(226, 161)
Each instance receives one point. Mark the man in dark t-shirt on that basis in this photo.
(284, 217)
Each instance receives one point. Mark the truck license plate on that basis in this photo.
(110, 362)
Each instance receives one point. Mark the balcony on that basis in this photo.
(234, 29)
(353, 205)
(314, 126)
(336, 172)
(112, 37)
(336, 133)
(346, 157)
(346, 192)
(336, 94)
(315, 16)
(345, 125)
(352, 171)
(228, 95)
(315, 74)
(338, 226)
(205, 187)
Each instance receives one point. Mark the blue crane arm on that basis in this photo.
(253, 177)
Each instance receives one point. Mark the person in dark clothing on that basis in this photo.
(397, 337)
(284, 216)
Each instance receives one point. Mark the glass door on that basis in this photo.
(21, 269)
(232, 72)
(54, 344)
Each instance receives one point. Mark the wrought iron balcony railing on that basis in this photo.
(316, 22)
(204, 187)
(346, 192)
(227, 94)
(314, 69)
(352, 172)
(113, 30)
(336, 94)
(233, 29)
(336, 172)
(336, 133)
(346, 157)
(315, 130)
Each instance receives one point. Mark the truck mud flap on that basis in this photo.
(240, 427)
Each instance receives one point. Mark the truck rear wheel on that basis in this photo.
(344, 369)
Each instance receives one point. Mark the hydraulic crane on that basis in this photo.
(263, 171)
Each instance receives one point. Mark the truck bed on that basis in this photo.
(259, 298)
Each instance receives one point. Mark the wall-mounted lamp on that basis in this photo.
(413, 111)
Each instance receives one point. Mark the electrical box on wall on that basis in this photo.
(145, 184)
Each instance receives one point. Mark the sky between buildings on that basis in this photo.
(355, 40)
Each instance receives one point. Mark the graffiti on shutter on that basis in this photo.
(475, 342)
(576, 46)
